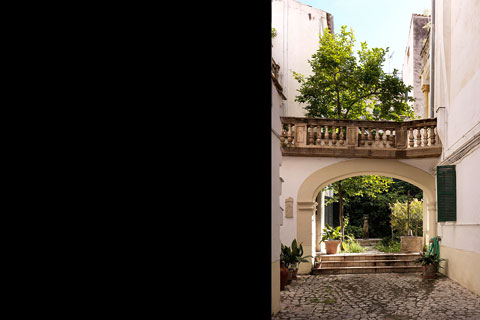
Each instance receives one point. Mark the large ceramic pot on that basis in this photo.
(332, 246)
(283, 276)
(290, 275)
(294, 274)
(429, 271)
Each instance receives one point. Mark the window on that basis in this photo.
(446, 193)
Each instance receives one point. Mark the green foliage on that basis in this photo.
(426, 259)
(389, 246)
(350, 245)
(286, 256)
(361, 186)
(386, 241)
(293, 255)
(378, 208)
(356, 232)
(344, 87)
(274, 33)
(399, 217)
(331, 234)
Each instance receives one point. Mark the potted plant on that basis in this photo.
(331, 237)
(288, 260)
(297, 257)
(430, 264)
(283, 275)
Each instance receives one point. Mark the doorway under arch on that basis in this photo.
(315, 182)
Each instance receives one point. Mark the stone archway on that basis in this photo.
(319, 179)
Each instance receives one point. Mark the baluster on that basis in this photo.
(334, 135)
(390, 139)
(369, 138)
(289, 134)
(377, 137)
(425, 136)
(419, 138)
(342, 141)
(432, 135)
(326, 136)
(322, 135)
(384, 138)
(361, 137)
(282, 136)
(410, 137)
(310, 135)
(318, 129)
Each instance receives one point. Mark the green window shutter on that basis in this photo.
(446, 193)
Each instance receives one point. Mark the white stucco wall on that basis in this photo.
(276, 185)
(413, 62)
(298, 30)
(277, 213)
(457, 72)
(407, 68)
(295, 170)
(464, 234)
(457, 108)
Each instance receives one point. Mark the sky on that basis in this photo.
(381, 23)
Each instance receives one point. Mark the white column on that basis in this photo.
(305, 210)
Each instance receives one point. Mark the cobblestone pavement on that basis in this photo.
(392, 296)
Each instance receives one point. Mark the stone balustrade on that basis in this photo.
(360, 138)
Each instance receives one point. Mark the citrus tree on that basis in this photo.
(399, 217)
(346, 86)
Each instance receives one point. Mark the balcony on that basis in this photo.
(314, 137)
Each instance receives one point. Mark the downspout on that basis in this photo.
(432, 62)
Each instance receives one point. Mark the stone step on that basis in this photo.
(375, 256)
(368, 263)
(376, 269)
(368, 242)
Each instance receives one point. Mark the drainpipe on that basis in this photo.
(432, 62)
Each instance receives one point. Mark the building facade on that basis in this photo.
(277, 211)
(298, 28)
(455, 37)
(443, 66)
(412, 65)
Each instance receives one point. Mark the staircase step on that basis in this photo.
(368, 263)
(357, 257)
(375, 269)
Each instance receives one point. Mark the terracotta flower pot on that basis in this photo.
(429, 271)
(283, 276)
(290, 274)
(332, 246)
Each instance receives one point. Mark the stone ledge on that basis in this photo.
(362, 152)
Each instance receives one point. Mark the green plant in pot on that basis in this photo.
(283, 269)
(297, 257)
(287, 258)
(331, 237)
(430, 264)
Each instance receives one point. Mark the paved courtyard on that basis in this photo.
(393, 296)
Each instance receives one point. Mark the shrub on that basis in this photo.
(356, 232)
(350, 245)
(388, 246)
